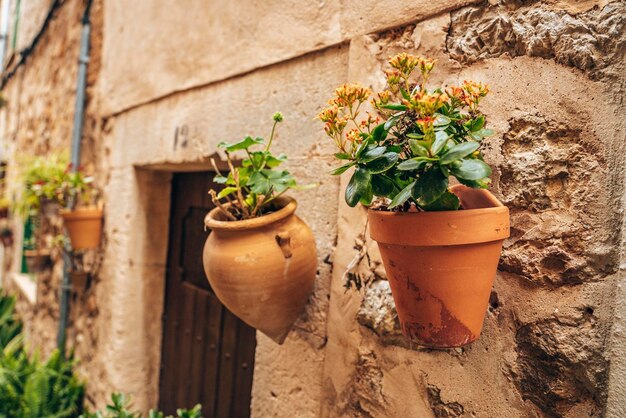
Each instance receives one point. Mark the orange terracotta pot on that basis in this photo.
(441, 266)
(84, 227)
(262, 269)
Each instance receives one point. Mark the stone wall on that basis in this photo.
(556, 72)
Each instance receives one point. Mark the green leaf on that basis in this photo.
(430, 186)
(272, 162)
(392, 106)
(342, 169)
(362, 147)
(219, 179)
(402, 197)
(392, 121)
(359, 187)
(441, 137)
(441, 120)
(480, 134)
(415, 135)
(383, 163)
(411, 165)
(226, 191)
(447, 201)
(371, 153)
(379, 133)
(342, 156)
(475, 124)
(382, 185)
(266, 181)
(246, 143)
(470, 169)
(476, 184)
(417, 148)
(459, 151)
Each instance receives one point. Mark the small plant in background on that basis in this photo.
(405, 154)
(120, 408)
(50, 180)
(30, 387)
(251, 188)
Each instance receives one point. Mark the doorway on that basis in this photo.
(207, 355)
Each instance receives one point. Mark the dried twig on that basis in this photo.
(217, 203)
(259, 203)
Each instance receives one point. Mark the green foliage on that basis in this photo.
(251, 188)
(29, 387)
(427, 137)
(50, 179)
(120, 407)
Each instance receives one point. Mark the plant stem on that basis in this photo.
(269, 143)
(241, 200)
(220, 206)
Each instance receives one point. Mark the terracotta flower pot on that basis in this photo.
(441, 266)
(84, 227)
(262, 269)
(37, 260)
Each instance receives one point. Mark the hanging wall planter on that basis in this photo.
(262, 269)
(441, 265)
(440, 244)
(259, 258)
(83, 226)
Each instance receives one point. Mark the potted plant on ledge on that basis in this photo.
(259, 258)
(82, 218)
(440, 243)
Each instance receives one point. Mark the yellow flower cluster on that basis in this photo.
(403, 65)
(469, 93)
(347, 95)
(344, 107)
(426, 104)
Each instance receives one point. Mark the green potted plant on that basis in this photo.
(440, 243)
(49, 185)
(259, 258)
(81, 217)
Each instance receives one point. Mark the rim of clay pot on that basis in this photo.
(87, 212)
(485, 219)
(215, 219)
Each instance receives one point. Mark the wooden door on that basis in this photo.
(208, 353)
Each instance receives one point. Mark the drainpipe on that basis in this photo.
(77, 133)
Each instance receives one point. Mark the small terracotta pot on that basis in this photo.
(262, 269)
(441, 266)
(84, 227)
(37, 260)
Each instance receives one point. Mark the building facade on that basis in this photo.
(168, 80)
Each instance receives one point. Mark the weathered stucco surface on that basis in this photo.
(544, 346)
(167, 83)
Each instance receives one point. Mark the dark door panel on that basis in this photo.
(208, 353)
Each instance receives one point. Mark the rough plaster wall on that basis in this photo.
(38, 120)
(201, 42)
(543, 351)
